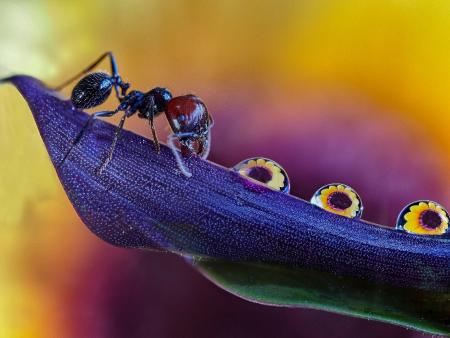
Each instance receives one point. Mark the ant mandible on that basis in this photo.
(187, 115)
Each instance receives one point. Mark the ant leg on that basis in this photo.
(211, 122)
(176, 153)
(88, 124)
(206, 147)
(114, 143)
(118, 83)
(155, 137)
(114, 70)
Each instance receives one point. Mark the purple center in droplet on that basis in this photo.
(430, 219)
(260, 174)
(339, 200)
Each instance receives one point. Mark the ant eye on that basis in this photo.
(339, 199)
(92, 90)
(265, 171)
(423, 218)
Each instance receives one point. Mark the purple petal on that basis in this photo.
(142, 200)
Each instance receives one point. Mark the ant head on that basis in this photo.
(92, 90)
(161, 96)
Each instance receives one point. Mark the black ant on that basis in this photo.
(187, 115)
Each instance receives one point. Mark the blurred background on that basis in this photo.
(335, 91)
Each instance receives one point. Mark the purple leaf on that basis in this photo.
(143, 201)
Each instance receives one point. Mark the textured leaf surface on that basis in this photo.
(142, 201)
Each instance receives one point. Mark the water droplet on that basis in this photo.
(423, 217)
(340, 199)
(265, 171)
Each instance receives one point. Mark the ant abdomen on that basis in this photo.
(92, 90)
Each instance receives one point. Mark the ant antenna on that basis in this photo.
(176, 153)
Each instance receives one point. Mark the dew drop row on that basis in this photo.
(423, 217)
